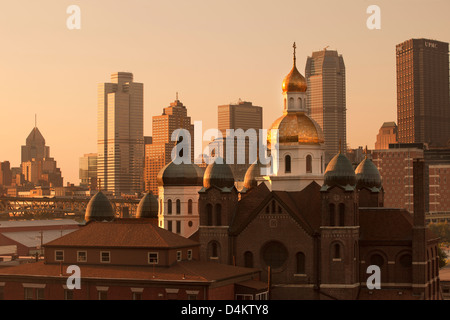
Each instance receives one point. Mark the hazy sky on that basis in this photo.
(212, 52)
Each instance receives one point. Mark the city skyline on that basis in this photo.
(188, 54)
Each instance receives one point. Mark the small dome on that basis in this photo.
(296, 128)
(218, 175)
(180, 175)
(367, 175)
(148, 207)
(294, 81)
(99, 208)
(253, 172)
(339, 172)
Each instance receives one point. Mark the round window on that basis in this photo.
(190, 223)
(274, 254)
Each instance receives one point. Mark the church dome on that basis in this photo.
(182, 174)
(367, 175)
(218, 175)
(339, 172)
(99, 208)
(148, 207)
(294, 81)
(296, 128)
(253, 172)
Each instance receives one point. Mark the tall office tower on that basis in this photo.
(88, 171)
(423, 107)
(35, 147)
(37, 166)
(158, 148)
(245, 116)
(326, 98)
(120, 135)
(386, 135)
(5, 174)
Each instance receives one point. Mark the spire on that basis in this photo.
(295, 58)
(366, 152)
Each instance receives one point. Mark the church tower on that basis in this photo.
(295, 140)
(216, 205)
(340, 230)
(368, 184)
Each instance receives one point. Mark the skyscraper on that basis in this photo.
(245, 116)
(120, 134)
(386, 135)
(88, 170)
(423, 107)
(159, 149)
(326, 99)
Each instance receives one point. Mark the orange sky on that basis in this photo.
(212, 52)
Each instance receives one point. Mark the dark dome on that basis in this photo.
(180, 175)
(253, 172)
(367, 175)
(148, 207)
(218, 174)
(99, 208)
(339, 172)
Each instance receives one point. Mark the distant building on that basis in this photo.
(120, 161)
(387, 134)
(243, 115)
(326, 103)
(37, 166)
(158, 152)
(88, 170)
(5, 174)
(423, 105)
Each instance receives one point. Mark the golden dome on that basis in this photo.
(294, 81)
(296, 128)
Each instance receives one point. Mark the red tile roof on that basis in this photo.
(136, 233)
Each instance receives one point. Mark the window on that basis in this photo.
(262, 296)
(331, 214)
(189, 254)
(274, 254)
(287, 164)
(214, 250)
(179, 256)
(102, 295)
(81, 256)
(153, 257)
(178, 205)
(105, 257)
(337, 251)
(244, 297)
(192, 297)
(218, 215)
(34, 293)
(190, 206)
(209, 214)
(68, 294)
(169, 226)
(248, 259)
(300, 257)
(308, 164)
(137, 296)
(29, 294)
(169, 206)
(59, 255)
(178, 227)
(341, 214)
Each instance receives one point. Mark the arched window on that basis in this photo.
(218, 215)
(377, 259)
(209, 215)
(169, 206)
(287, 164)
(341, 214)
(300, 257)
(331, 214)
(268, 209)
(178, 204)
(214, 250)
(337, 251)
(300, 104)
(190, 206)
(273, 206)
(308, 164)
(291, 102)
(248, 259)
